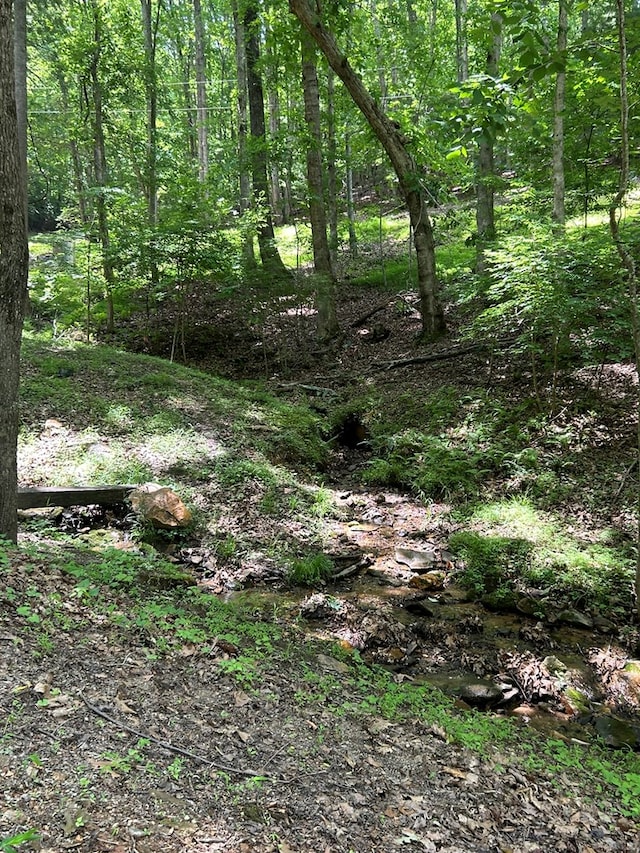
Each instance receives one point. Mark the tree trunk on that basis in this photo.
(277, 202)
(393, 143)
(269, 255)
(14, 263)
(245, 178)
(558, 214)
(485, 170)
(462, 48)
(332, 170)
(626, 257)
(351, 208)
(20, 71)
(201, 94)
(150, 32)
(100, 165)
(325, 279)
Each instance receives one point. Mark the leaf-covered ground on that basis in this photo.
(143, 714)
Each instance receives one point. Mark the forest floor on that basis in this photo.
(274, 734)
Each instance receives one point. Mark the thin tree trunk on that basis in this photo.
(150, 32)
(325, 279)
(485, 169)
(558, 214)
(201, 94)
(462, 48)
(277, 203)
(269, 254)
(14, 263)
(351, 208)
(100, 166)
(332, 169)
(187, 95)
(390, 138)
(243, 124)
(626, 257)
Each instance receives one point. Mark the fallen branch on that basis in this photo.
(443, 355)
(424, 359)
(361, 320)
(178, 750)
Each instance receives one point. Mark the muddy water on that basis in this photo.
(450, 658)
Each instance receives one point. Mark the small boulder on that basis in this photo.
(160, 507)
(480, 694)
(617, 733)
(576, 619)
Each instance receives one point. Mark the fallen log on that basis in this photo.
(71, 495)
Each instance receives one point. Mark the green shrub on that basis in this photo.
(311, 570)
(427, 465)
(491, 562)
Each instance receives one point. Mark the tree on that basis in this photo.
(325, 278)
(100, 160)
(14, 262)
(626, 256)
(558, 214)
(244, 179)
(485, 180)
(269, 255)
(405, 168)
(201, 93)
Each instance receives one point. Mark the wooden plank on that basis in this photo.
(71, 495)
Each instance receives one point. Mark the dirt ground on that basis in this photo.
(107, 750)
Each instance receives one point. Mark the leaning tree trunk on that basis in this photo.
(14, 263)
(271, 260)
(558, 214)
(324, 275)
(394, 144)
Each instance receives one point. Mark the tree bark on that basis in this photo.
(150, 32)
(462, 49)
(201, 94)
(558, 214)
(485, 168)
(626, 257)
(100, 165)
(325, 278)
(393, 143)
(332, 170)
(243, 123)
(269, 255)
(20, 71)
(14, 263)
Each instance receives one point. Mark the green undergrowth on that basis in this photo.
(94, 415)
(512, 474)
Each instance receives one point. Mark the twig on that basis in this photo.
(169, 746)
(624, 479)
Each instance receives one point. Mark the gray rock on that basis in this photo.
(575, 618)
(480, 694)
(617, 733)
